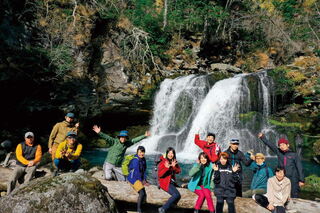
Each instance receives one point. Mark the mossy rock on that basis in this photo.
(65, 193)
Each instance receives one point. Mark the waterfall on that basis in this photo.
(236, 107)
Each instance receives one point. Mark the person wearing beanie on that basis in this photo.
(60, 131)
(288, 160)
(209, 146)
(68, 154)
(261, 174)
(118, 147)
(28, 154)
(237, 157)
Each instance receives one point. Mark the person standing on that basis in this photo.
(138, 176)
(237, 157)
(288, 160)
(225, 178)
(28, 154)
(209, 146)
(201, 182)
(167, 170)
(68, 153)
(278, 192)
(118, 147)
(60, 131)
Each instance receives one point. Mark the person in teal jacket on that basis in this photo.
(261, 175)
(118, 147)
(201, 181)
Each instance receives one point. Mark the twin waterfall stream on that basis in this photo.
(236, 107)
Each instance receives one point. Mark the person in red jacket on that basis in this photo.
(167, 169)
(210, 147)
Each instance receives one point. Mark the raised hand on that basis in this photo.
(147, 134)
(174, 163)
(260, 135)
(252, 157)
(215, 167)
(96, 128)
(167, 164)
(235, 167)
(77, 125)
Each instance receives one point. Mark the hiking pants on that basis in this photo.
(263, 201)
(175, 197)
(109, 168)
(141, 199)
(230, 202)
(204, 193)
(18, 173)
(66, 165)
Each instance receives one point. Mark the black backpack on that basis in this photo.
(157, 160)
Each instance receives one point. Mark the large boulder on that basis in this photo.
(65, 193)
(122, 191)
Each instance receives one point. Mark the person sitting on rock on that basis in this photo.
(167, 170)
(260, 177)
(210, 147)
(138, 176)
(201, 181)
(28, 154)
(237, 157)
(278, 192)
(118, 147)
(288, 160)
(59, 132)
(68, 154)
(225, 179)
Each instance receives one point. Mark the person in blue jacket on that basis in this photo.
(261, 174)
(201, 182)
(137, 175)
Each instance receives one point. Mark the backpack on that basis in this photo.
(155, 169)
(125, 164)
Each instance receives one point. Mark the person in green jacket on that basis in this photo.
(118, 147)
(201, 181)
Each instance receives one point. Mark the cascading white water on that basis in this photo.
(175, 105)
(233, 108)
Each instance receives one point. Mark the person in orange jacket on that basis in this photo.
(28, 155)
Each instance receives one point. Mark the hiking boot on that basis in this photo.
(196, 211)
(161, 210)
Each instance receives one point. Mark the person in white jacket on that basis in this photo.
(278, 192)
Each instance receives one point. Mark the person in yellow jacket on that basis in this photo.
(59, 133)
(28, 156)
(68, 154)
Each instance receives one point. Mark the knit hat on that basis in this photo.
(282, 140)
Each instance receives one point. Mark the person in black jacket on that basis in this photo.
(290, 161)
(225, 178)
(237, 157)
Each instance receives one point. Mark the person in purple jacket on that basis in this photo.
(137, 176)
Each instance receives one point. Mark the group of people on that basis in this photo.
(63, 147)
(215, 172)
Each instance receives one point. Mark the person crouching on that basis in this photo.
(68, 154)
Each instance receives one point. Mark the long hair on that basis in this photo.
(203, 154)
(173, 151)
